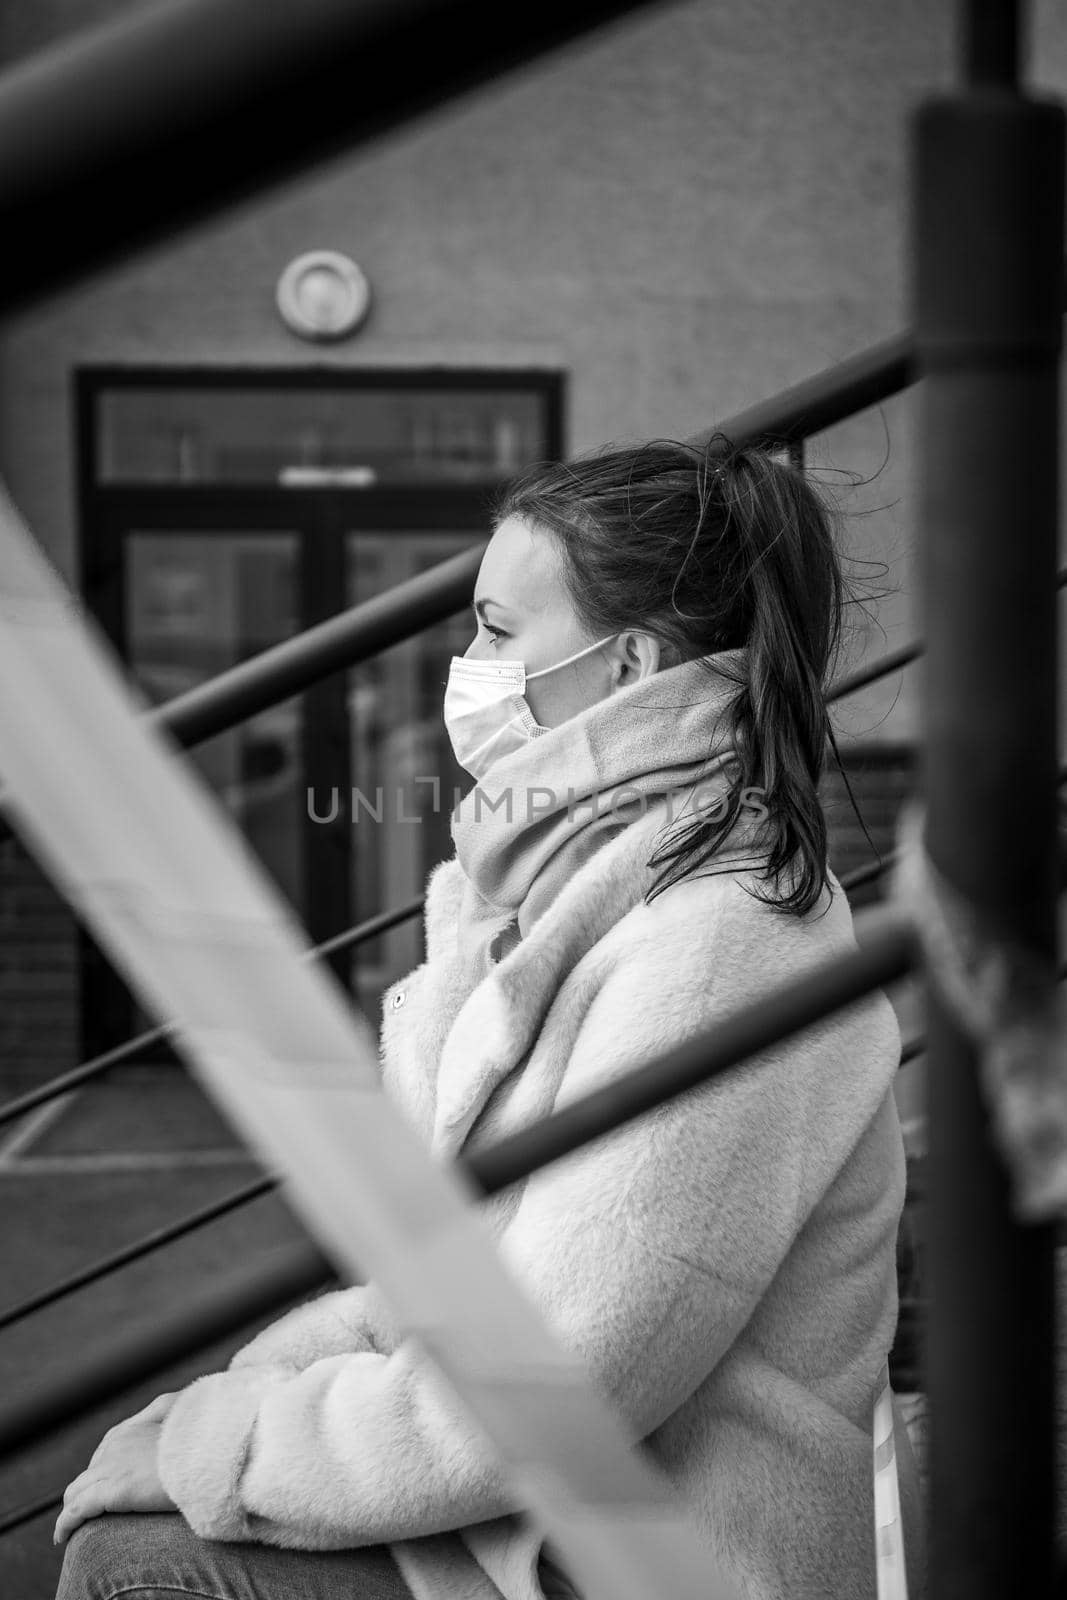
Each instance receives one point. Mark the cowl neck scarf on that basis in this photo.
(661, 745)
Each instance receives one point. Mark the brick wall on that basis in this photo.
(38, 975)
(880, 776)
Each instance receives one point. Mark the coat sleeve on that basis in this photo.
(646, 1251)
(339, 1322)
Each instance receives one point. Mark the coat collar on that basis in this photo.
(501, 1018)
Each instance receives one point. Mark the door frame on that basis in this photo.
(320, 521)
(320, 517)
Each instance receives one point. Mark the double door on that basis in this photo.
(343, 792)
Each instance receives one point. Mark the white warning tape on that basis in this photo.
(144, 855)
(888, 1525)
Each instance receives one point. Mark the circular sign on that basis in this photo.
(323, 295)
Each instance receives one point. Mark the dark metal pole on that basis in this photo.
(296, 664)
(992, 43)
(13, 1109)
(988, 241)
(886, 954)
(827, 397)
(146, 1245)
(175, 110)
(135, 1353)
(331, 646)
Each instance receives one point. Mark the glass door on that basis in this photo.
(188, 591)
(344, 792)
(224, 511)
(197, 604)
(405, 780)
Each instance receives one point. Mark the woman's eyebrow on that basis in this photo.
(480, 605)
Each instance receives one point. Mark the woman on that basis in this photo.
(643, 852)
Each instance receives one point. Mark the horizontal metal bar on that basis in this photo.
(888, 951)
(362, 631)
(892, 661)
(367, 930)
(875, 869)
(197, 1219)
(29, 1512)
(177, 1230)
(156, 1240)
(912, 1048)
(66, 1081)
(410, 607)
(117, 136)
(351, 937)
(828, 397)
(340, 642)
(868, 874)
(134, 1354)
(343, 641)
(881, 667)
(132, 1047)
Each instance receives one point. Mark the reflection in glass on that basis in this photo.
(197, 604)
(297, 437)
(404, 776)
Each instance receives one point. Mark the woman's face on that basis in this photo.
(525, 614)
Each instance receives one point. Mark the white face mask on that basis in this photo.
(486, 715)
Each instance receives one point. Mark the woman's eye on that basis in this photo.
(497, 633)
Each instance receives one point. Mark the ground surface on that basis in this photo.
(77, 1180)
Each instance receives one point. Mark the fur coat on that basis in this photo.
(725, 1264)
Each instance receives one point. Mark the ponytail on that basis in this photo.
(712, 549)
(790, 596)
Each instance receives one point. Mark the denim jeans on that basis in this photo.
(160, 1555)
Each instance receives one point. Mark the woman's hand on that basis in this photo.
(122, 1475)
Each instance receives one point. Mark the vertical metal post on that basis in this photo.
(987, 253)
(992, 43)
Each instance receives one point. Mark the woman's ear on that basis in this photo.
(639, 659)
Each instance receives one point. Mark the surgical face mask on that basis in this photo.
(486, 714)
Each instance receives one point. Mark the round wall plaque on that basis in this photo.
(323, 295)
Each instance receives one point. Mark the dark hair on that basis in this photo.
(711, 548)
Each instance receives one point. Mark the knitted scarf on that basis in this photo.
(541, 811)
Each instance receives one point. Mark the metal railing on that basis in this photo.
(356, 635)
(191, 91)
(88, 1070)
(409, 608)
(887, 952)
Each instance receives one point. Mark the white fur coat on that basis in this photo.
(725, 1264)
